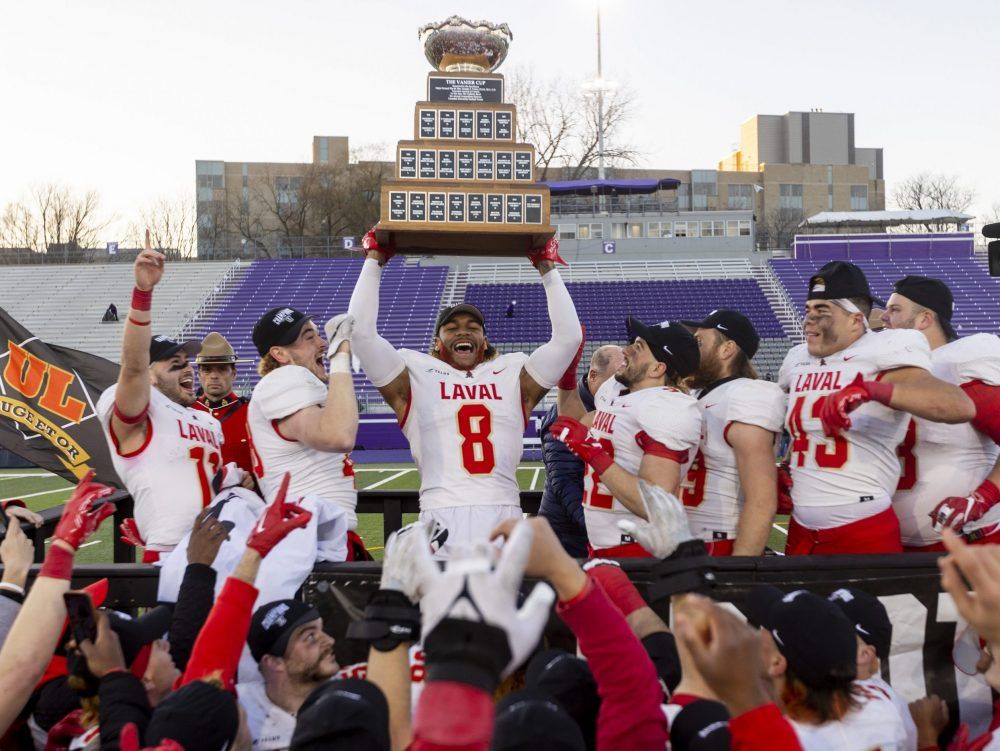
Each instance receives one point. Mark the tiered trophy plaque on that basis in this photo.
(464, 185)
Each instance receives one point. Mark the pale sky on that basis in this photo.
(122, 96)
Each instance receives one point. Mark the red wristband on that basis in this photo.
(879, 391)
(600, 462)
(618, 588)
(568, 381)
(142, 299)
(130, 420)
(137, 323)
(989, 491)
(58, 563)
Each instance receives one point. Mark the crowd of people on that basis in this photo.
(665, 448)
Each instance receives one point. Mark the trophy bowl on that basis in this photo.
(457, 45)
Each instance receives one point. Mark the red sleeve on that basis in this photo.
(762, 729)
(220, 642)
(987, 401)
(630, 715)
(12, 502)
(452, 716)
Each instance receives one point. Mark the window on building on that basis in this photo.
(566, 231)
(659, 229)
(859, 198)
(732, 228)
(683, 197)
(597, 231)
(635, 230)
(790, 196)
(740, 197)
(714, 228)
(324, 150)
(590, 231)
(686, 229)
(744, 228)
(618, 230)
(829, 188)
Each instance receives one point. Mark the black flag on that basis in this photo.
(47, 398)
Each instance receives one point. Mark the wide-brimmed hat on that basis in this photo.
(216, 350)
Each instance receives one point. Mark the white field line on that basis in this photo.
(15, 475)
(534, 478)
(388, 479)
(33, 495)
(780, 529)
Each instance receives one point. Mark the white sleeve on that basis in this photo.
(902, 348)
(759, 403)
(547, 364)
(106, 403)
(983, 362)
(380, 360)
(285, 391)
(675, 421)
(785, 373)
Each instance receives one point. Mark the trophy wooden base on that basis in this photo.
(512, 241)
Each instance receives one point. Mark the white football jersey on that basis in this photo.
(938, 460)
(466, 430)
(859, 465)
(270, 726)
(873, 726)
(170, 475)
(666, 415)
(711, 491)
(328, 474)
(877, 684)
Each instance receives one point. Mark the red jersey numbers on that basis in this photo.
(475, 425)
(596, 498)
(207, 463)
(826, 456)
(907, 459)
(693, 487)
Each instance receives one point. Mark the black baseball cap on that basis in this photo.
(531, 719)
(669, 341)
(136, 633)
(348, 714)
(463, 307)
(933, 294)
(839, 279)
(197, 716)
(569, 680)
(162, 347)
(813, 634)
(869, 616)
(272, 626)
(733, 325)
(278, 327)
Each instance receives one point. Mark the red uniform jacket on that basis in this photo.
(231, 411)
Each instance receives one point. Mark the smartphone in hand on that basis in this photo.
(80, 609)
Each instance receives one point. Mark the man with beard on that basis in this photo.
(730, 492)
(645, 427)
(848, 394)
(295, 656)
(303, 421)
(164, 451)
(462, 407)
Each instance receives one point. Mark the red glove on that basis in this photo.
(368, 242)
(616, 584)
(277, 521)
(568, 380)
(65, 731)
(577, 438)
(129, 741)
(130, 533)
(955, 512)
(784, 488)
(549, 253)
(79, 517)
(837, 406)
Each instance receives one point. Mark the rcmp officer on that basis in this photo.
(216, 365)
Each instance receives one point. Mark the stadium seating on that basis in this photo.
(408, 304)
(63, 304)
(977, 295)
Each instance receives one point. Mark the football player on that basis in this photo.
(165, 452)
(849, 392)
(462, 407)
(730, 492)
(646, 426)
(303, 420)
(950, 474)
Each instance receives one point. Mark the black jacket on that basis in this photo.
(194, 601)
(562, 497)
(123, 700)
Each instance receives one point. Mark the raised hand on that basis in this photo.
(17, 554)
(82, 514)
(568, 380)
(577, 438)
(401, 564)
(277, 522)
(549, 253)
(148, 268)
(338, 330)
(207, 536)
(667, 523)
(381, 253)
(836, 407)
(954, 512)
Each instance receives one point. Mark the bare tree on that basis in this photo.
(927, 190)
(777, 228)
(560, 119)
(54, 220)
(171, 224)
(992, 216)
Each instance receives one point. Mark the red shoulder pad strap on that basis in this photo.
(652, 446)
(987, 401)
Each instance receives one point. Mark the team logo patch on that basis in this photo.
(283, 316)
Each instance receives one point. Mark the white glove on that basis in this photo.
(338, 330)
(667, 525)
(399, 570)
(472, 588)
(228, 477)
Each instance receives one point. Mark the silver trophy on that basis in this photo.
(460, 46)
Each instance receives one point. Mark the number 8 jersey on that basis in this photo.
(466, 430)
(860, 465)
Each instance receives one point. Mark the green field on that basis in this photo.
(40, 490)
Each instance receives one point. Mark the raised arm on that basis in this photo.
(132, 395)
(547, 364)
(381, 362)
